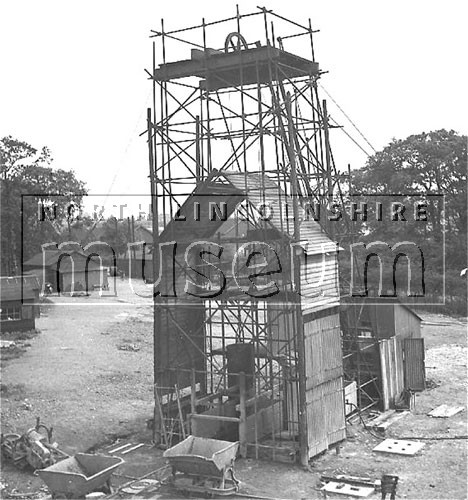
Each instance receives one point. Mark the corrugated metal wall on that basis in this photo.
(392, 378)
(407, 325)
(319, 281)
(181, 343)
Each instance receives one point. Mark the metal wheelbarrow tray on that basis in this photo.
(204, 465)
(77, 476)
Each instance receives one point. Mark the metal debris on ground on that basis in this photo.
(385, 420)
(142, 486)
(389, 485)
(129, 347)
(6, 344)
(161, 473)
(445, 411)
(33, 447)
(354, 480)
(348, 489)
(399, 447)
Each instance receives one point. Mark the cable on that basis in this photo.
(130, 141)
(349, 119)
(435, 438)
(352, 138)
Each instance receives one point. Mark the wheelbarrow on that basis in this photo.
(79, 475)
(202, 465)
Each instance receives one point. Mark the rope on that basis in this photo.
(348, 118)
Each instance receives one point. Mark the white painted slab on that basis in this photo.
(399, 447)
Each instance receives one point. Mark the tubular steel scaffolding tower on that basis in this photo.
(238, 153)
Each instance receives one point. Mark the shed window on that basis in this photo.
(11, 313)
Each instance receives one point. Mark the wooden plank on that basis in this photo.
(445, 411)
(219, 418)
(399, 368)
(263, 423)
(384, 421)
(133, 448)
(243, 417)
(193, 392)
(115, 450)
(356, 480)
(384, 376)
(213, 428)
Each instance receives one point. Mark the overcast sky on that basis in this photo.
(72, 74)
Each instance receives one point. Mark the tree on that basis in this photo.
(428, 165)
(27, 184)
(116, 234)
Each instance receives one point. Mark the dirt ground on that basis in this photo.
(88, 373)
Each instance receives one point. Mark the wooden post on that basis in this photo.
(193, 392)
(197, 150)
(133, 236)
(243, 417)
(328, 161)
(158, 411)
(303, 434)
(156, 309)
(179, 409)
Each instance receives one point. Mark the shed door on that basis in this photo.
(415, 371)
(326, 423)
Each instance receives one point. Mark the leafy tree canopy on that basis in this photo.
(27, 181)
(432, 168)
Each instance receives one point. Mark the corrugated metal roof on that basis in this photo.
(188, 226)
(259, 190)
(51, 258)
(380, 300)
(46, 258)
(262, 190)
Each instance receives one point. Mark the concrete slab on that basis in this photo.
(399, 447)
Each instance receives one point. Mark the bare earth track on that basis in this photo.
(89, 375)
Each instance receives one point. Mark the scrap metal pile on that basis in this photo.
(34, 448)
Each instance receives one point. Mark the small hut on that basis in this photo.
(383, 350)
(18, 303)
